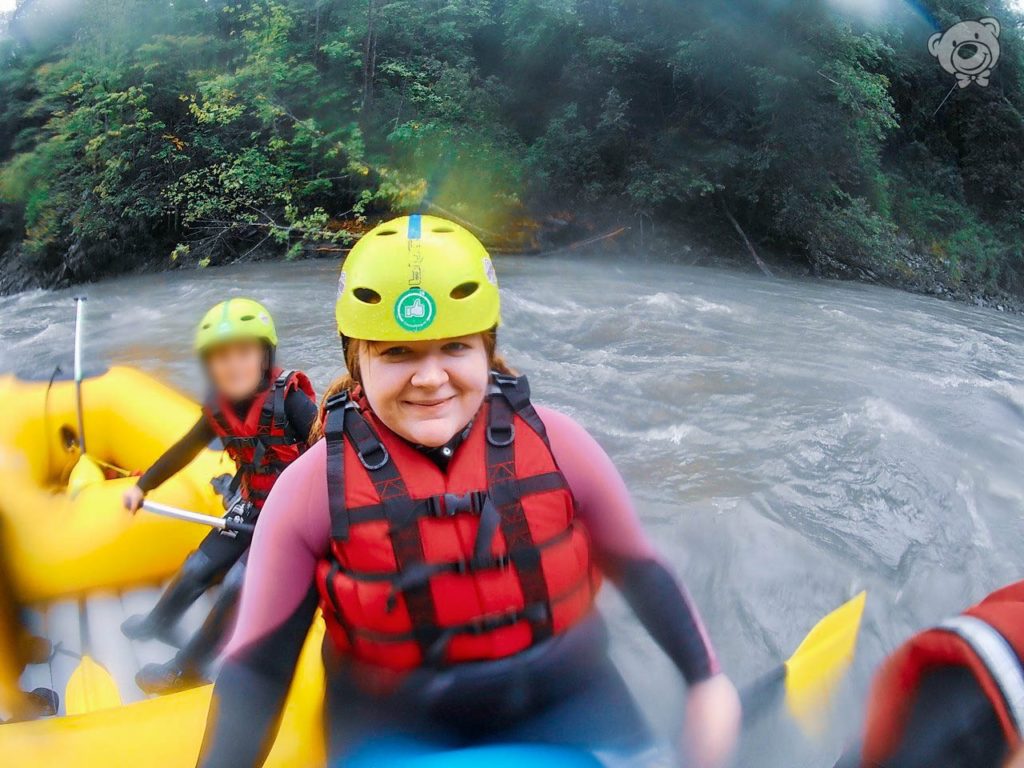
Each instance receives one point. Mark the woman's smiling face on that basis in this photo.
(425, 391)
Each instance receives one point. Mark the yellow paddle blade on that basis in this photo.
(820, 662)
(85, 472)
(90, 688)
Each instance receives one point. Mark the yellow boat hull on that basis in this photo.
(58, 546)
(167, 732)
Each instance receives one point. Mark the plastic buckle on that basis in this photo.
(450, 505)
(454, 503)
(502, 562)
(504, 379)
(385, 457)
(231, 517)
(337, 399)
(462, 567)
(501, 436)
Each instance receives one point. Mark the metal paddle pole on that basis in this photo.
(219, 523)
(79, 318)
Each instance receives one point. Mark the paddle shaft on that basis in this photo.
(220, 523)
(79, 319)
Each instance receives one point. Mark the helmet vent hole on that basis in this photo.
(247, 318)
(367, 295)
(464, 291)
(442, 230)
(386, 232)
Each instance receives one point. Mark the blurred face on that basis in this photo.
(425, 391)
(236, 368)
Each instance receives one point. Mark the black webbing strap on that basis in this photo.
(258, 453)
(228, 441)
(505, 494)
(452, 504)
(490, 521)
(334, 434)
(280, 389)
(236, 482)
(400, 510)
(423, 572)
(248, 442)
(272, 415)
(516, 390)
(535, 613)
(332, 595)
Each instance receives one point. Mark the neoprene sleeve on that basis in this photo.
(177, 457)
(662, 606)
(250, 692)
(301, 413)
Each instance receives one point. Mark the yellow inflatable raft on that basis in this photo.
(75, 565)
(58, 546)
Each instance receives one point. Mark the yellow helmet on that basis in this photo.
(417, 278)
(233, 320)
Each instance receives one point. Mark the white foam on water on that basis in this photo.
(982, 535)
(674, 433)
(541, 308)
(701, 305)
(677, 434)
(1011, 391)
(889, 418)
(832, 311)
(662, 300)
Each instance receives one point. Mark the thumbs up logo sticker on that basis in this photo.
(415, 310)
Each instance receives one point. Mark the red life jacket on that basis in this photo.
(263, 443)
(987, 639)
(432, 567)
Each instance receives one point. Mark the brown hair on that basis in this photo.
(348, 382)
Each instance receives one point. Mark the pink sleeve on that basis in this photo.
(292, 535)
(604, 503)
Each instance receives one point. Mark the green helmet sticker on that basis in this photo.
(415, 310)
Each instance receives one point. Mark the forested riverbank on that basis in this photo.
(824, 136)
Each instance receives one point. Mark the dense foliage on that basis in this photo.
(136, 131)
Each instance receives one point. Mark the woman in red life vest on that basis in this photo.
(263, 416)
(953, 695)
(454, 536)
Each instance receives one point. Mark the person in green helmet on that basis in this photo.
(454, 534)
(262, 415)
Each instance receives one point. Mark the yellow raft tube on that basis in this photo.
(167, 732)
(58, 546)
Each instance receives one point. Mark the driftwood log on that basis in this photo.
(746, 240)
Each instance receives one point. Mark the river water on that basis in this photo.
(788, 442)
